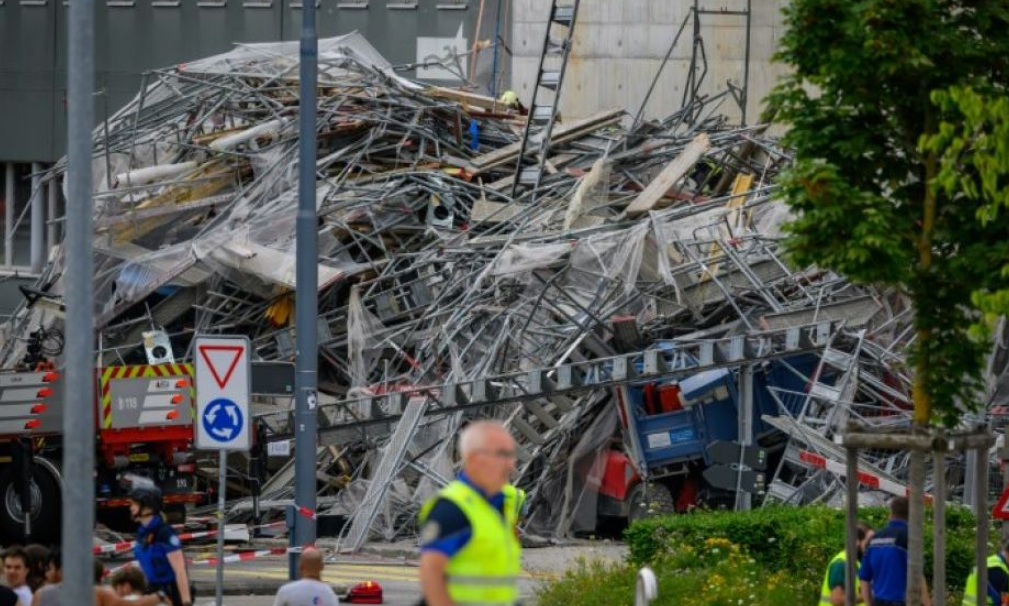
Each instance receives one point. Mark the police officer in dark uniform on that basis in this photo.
(158, 549)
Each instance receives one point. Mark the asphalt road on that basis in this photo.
(393, 566)
(263, 577)
(255, 582)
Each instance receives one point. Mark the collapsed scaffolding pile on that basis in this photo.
(645, 258)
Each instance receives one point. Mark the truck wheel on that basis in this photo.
(45, 506)
(650, 499)
(175, 513)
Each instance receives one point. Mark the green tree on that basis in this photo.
(867, 182)
(973, 148)
(889, 186)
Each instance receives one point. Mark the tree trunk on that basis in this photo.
(920, 395)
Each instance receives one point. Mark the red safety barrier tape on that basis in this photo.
(112, 547)
(185, 536)
(867, 479)
(238, 557)
(248, 555)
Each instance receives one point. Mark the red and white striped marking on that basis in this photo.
(865, 478)
(112, 547)
(185, 536)
(248, 555)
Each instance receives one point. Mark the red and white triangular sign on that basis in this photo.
(1001, 510)
(221, 360)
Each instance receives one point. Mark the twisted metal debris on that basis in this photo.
(443, 297)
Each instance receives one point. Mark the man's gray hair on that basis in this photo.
(472, 436)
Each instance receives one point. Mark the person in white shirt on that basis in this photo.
(309, 590)
(16, 573)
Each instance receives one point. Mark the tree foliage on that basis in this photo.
(862, 117)
(973, 149)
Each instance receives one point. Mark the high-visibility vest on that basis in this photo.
(825, 591)
(970, 592)
(486, 569)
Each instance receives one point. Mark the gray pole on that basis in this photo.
(743, 499)
(939, 528)
(306, 291)
(981, 513)
(850, 526)
(915, 529)
(746, 62)
(51, 225)
(969, 491)
(38, 243)
(9, 215)
(222, 489)
(79, 416)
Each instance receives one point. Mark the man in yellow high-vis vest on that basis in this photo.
(832, 591)
(470, 551)
(998, 580)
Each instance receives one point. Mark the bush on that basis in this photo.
(798, 540)
(781, 553)
(714, 573)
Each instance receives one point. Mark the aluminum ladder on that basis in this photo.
(557, 42)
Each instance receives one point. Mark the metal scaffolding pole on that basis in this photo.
(307, 280)
(52, 228)
(38, 243)
(78, 421)
(744, 500)
(9, 216)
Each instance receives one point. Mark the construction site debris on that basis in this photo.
(623, 316)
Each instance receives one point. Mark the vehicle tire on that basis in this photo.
(45, 506)
(175, 513)
(649, 499)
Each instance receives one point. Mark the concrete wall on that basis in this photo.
(619, 46)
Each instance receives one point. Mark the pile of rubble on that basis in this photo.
(599, 315)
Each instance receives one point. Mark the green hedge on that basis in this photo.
(795, 539)
(781, 551)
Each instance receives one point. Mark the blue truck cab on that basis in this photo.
(671, 422)
(707, 413)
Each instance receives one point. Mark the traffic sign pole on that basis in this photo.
(223, 392)
(221, 499)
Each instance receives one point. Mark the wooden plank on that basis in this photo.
(740, 186)
(485, 211)
(471, 99)
(670, 175)
(560, 135)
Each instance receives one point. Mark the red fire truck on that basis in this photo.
(144, 421)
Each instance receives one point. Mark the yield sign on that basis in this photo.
(221, 360)
(222, 374)
(1001, 510)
